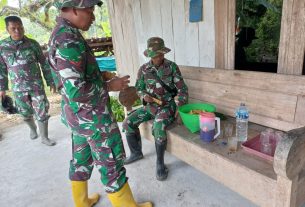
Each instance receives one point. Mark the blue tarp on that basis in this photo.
(106, 63)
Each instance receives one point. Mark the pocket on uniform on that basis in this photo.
(106, 157)
(29, 56)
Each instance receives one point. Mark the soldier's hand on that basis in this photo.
(2, 93)
(148, 99)
(118, 84)
(53, 89)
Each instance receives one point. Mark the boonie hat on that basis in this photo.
(155, 46)
(79, 4)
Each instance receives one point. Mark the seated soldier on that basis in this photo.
(158, 82)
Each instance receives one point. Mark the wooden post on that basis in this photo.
(292, 40)
(286, 192)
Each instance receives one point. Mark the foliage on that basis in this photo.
(137, 103)
(41, 15)
(265, 17)
(117, 109)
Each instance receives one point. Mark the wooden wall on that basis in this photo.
(274, 100)
(210, 43)
(134, 21)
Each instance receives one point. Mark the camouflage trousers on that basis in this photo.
(31, 103)
(102, 148)
(162, 116)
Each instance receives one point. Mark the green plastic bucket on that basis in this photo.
(191, 121)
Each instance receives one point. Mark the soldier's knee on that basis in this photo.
(160, 140)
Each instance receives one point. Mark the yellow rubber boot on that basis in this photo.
(80, 194)
(124, 198)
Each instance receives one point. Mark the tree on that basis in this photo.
(41, 15)
(265, 17)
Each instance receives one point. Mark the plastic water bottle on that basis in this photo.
(242, 117)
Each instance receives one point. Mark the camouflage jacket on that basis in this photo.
(169, 73)
(77, 76)
(20, 60)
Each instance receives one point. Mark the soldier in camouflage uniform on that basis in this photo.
(20, 58)
(96, 138)
(158, 79)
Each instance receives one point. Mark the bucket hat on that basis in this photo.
(79, 4)
(155, 46)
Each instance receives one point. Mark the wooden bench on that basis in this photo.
(274, 100)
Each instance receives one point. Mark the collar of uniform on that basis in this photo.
(151, 65)
(63, 21)
(17, 42)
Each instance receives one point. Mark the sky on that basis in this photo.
(13, 3)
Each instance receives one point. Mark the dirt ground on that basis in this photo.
(8, 120)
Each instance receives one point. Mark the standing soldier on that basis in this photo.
(96, 138)
(158, 82)
(20, 58)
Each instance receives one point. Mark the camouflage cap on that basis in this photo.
(155, 46)
(80, 4)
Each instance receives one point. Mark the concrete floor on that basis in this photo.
(35, 175)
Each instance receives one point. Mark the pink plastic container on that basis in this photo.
(253, 146)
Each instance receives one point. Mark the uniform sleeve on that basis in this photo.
(70, 58)
(140, 84)
(180, 85)
(44, 65)
(3, 75)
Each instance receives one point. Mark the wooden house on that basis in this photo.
(205, 52)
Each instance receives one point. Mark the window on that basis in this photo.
(257, 33)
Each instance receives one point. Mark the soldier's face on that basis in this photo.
(85, 18)
(158, 60)
(16, 30)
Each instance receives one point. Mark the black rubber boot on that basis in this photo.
(162, 170)
(33, 128)
(135, 146)
(43, 129)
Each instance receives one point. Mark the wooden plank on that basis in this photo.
(207, 36)
(260, 102)
(301, 189)
(292, 40)
(130, 43)
(140, 31)
(191, 49)
(286, 192)
(224, 34)
(230, 56)
(225, 166)
(286, 84)
(220, 33)
(116, 33)
(297, 46)
(167, 27)
(151, 18)
(300, 111)
(180, 40)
